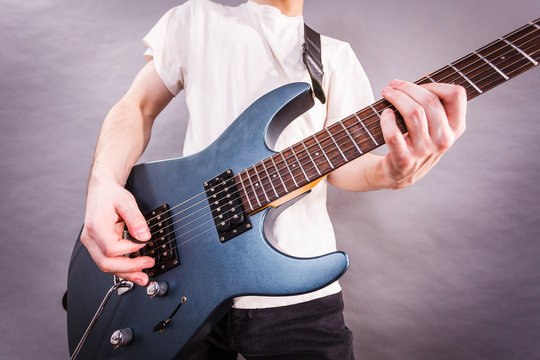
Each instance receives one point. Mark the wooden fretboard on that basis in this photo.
(360, 133)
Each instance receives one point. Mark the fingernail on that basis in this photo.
(395, 82)
(140, 282)
(387, 90)
(143, 234)
(148, 264)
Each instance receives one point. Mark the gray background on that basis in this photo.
(446, 269)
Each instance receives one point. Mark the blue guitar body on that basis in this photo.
(211, 273)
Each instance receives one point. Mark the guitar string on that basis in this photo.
(264, 177)
(433, 74)
(467, 85)
(200, 209)
(254, 191)
(210, 228)
(194, 237)
(478, 60)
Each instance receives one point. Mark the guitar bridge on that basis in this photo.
(162, 245)
(225, 202)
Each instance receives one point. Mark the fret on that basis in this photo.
(260, 182)
(430, 78)
(253, 187)
(366, 129)
(450, 75)
(270, 179)
(299, 164)
(532, 48)
(294, 165)
(469, 69)
(245, 192)
(324, 152)
(523, 35)
(528, 41)
(315, 149)
(438, 76)
(492, 65)
(279, 174)
(467, 79)
(423, 81)
(506, 58)
(350, 136)
(337, 146)
(313, 161)
(481, 73)
(445, 75)
(288, 168)
(521, 52)
(375, 111)
(535, 25)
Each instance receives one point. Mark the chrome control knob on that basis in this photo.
(121, 337)
(157, 288)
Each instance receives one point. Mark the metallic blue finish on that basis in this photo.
(211, 273)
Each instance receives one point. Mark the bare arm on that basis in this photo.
(435, 118)
(123, 138)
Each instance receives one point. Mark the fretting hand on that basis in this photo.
(435, 117)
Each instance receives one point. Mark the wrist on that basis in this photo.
(384, 177)
(99, 176)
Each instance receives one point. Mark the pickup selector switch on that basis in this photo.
(157, 288)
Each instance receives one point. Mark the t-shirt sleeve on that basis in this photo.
(348, 86)
(167, 42)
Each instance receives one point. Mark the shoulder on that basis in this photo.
(331, 43)
(336, 51)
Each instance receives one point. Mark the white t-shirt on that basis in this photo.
(225, 58)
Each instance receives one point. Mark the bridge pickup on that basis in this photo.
(226, 205)
(162, 245)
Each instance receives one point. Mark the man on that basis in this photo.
(225, 58)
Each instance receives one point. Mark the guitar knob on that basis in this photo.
(121, 337)
(157, 288)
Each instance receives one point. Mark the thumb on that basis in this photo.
(136, 223)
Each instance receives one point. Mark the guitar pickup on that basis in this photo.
(162, 245)
(226, 205)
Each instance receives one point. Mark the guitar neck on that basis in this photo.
(336, 145)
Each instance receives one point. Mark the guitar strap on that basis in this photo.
(311, 55)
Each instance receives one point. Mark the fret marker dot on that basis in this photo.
(317, 154)
(274, 175)
(293, 165)
(256, 184)
(503, 57)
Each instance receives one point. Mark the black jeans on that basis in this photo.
(314, 330)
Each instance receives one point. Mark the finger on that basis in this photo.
(136, 223)
(108, 240)
(121, 247)
(413, 115)
(454, 100)
(124, 265)
(140, 278)
(437, 122)
(394, 139)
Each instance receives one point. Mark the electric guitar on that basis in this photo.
(206, 214)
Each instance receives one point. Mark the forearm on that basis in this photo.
(123, 138)
(127, 127)
(109, 206)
